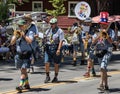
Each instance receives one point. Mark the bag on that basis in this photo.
(100, 53)
(24, 49)
(24, 55)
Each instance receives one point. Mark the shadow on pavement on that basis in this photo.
(37, 73)
(39, 89)
(112, 90)
(67, 81)
(5, 79)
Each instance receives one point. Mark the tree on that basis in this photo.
(58, 6)
(4, 8)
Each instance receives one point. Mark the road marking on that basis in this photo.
(76, 79)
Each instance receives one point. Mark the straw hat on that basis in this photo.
(28, 17)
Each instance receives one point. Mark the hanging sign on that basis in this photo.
(82, 10)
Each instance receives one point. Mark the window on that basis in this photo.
(37, 6)
(11, 7)
(11, 10)
(71, 6)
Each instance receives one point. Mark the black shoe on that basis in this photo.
(101, 88)
(75, 63)
(106, 88)
(47, 79)
(93, 74)
(27, 86)
(55, 80)
(82, 62)
(19, 89)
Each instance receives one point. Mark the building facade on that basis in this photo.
(67, 19)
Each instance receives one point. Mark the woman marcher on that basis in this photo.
(32, 26)
(23, 38)
(54, 39)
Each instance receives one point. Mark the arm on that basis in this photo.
(28, 37)
(13, 40)
(61, 38)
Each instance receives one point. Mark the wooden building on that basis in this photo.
(67, 19)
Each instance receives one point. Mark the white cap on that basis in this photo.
(53, 20)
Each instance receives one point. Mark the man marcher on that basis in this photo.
(91, 57)
(87, 40)
(53, 45)
(23, 38)
(103, 44)
(75, 42)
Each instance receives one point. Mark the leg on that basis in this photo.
(55, 79)
(75, 49)
(24, 83)
(104, 78)
(74, 58)
(89, 66)
(47, 69)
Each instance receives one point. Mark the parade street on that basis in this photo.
(71, 80)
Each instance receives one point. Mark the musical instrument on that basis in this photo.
(86, 40)
(78, 30)
(104, 34)
(17, 33)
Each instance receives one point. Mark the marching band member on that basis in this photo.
(75, 41)
(103, 44)
(54, 40)
(23, 38)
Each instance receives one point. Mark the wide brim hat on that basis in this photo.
(104, 18)
(105, 23)
(21, 22)
(28, 17)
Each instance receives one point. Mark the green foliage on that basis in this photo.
(4, 8)
(17, 1)
(4, 12)
(58, 6)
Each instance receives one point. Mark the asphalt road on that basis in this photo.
(71, 80)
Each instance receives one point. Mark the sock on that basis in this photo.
(21, 82)
(26, 82)
(47, 73)
(93, 71)
(56, 74)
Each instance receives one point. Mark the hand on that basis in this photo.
(58, 52)
(22, 33)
